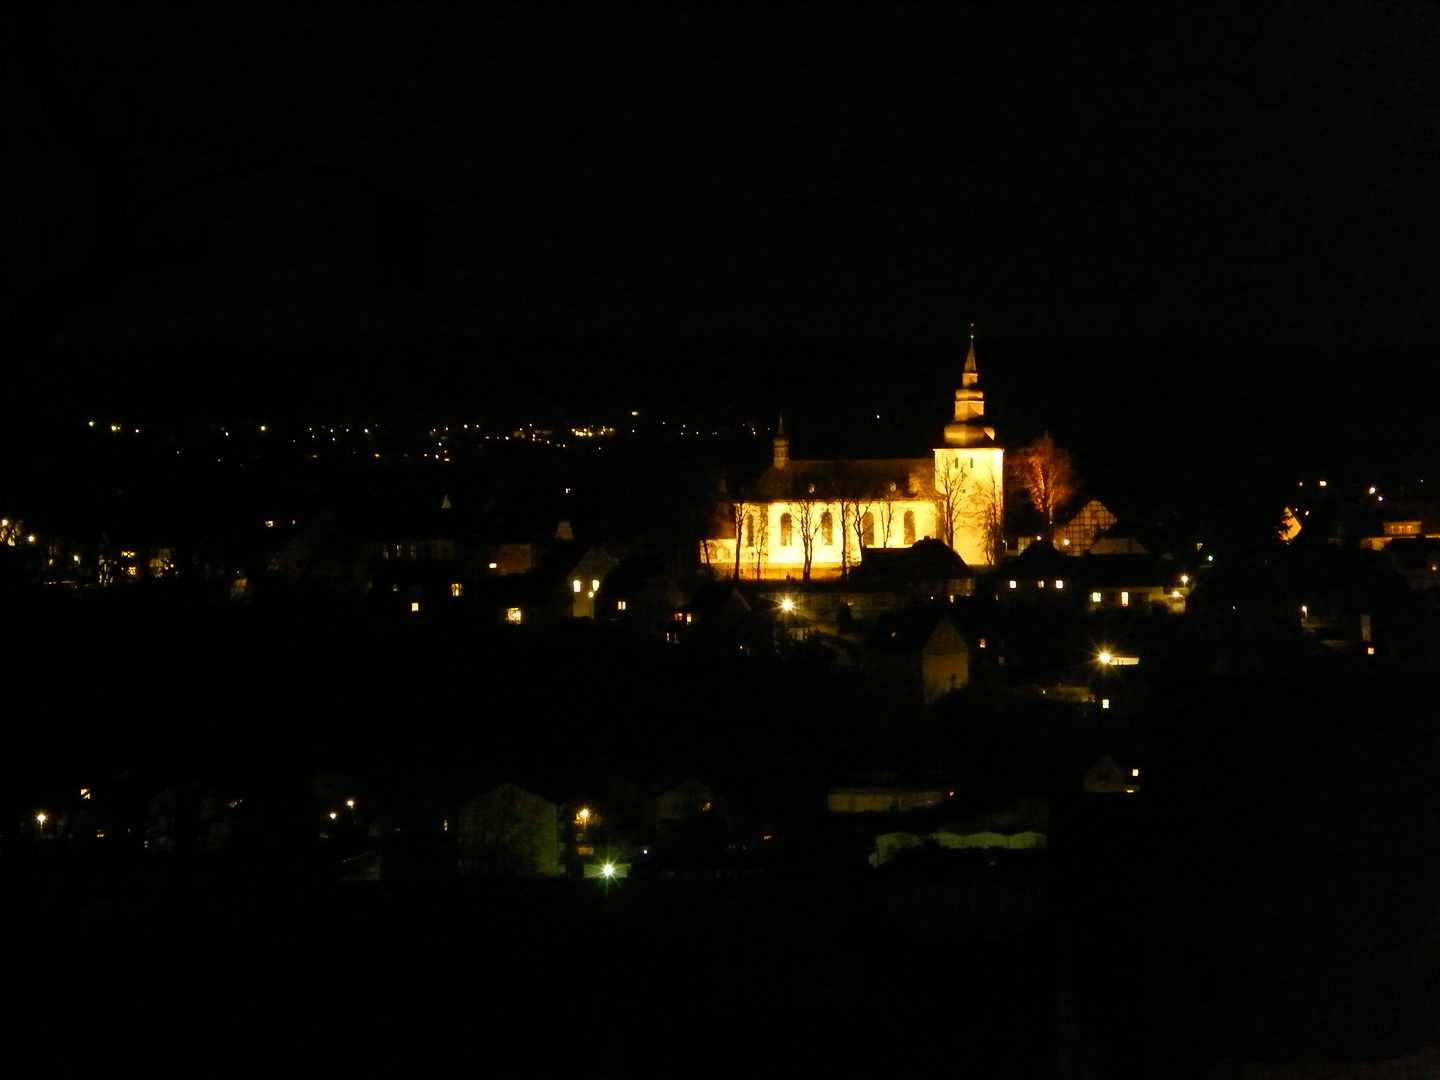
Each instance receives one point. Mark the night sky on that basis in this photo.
(1246, 200)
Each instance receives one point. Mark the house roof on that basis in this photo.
(925, 560)
(908, 630)
(1040, 560)
(840, 479)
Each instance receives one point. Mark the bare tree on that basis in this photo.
(885, 514)
(758, 535)
(987, 510)
(741, 515)
(1048, 475)
(950, 491)
(858, 496)
(805, 510)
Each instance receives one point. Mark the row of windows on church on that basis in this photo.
(826, 532)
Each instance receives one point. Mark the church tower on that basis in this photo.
(970, 474)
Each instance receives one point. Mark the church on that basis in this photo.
(811, 520)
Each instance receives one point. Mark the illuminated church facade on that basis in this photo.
(813, 519)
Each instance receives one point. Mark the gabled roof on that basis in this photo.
(840, 479)
(925, 560)
(1040, 560)
(911, 630)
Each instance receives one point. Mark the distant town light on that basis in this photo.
(1372, 491)
(333, 815)
(1104, 703)
(494, 566)
(1322, 483)
(350, 804)
(415, 605)
(41, 818)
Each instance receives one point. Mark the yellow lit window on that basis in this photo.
(1095, 598)
(1124, 599)
(415, 605)
(1059, 584)
(513, 616)
(1012, 584)
(456, 589)
(575, 584)
(619, 605)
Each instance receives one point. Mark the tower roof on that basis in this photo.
(968, 428)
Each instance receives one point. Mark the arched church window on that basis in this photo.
(909, 527)
(867, 529)
(827, 529)
(750, 530)
(786, 530)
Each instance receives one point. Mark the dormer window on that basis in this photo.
(576, 584)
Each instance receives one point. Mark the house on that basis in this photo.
(563, 584)
(1039, 572)
(1076, 536)
(919, 653)
(807, 519)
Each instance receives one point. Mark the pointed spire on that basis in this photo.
(782, 445)
(971, 374)
(445, 503)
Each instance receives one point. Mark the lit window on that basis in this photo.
(513, 616)
(456, 589)
(594, 584)
(1124, 599)
(1012, 584)
(619, 605)
(1059, 584)
(415, 605)
(1094, 598)
(1039, 584)
(1104, 703)
(576, 584)
(494, 566)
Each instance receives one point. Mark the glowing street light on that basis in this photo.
(1104, 658)
(787, 604)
